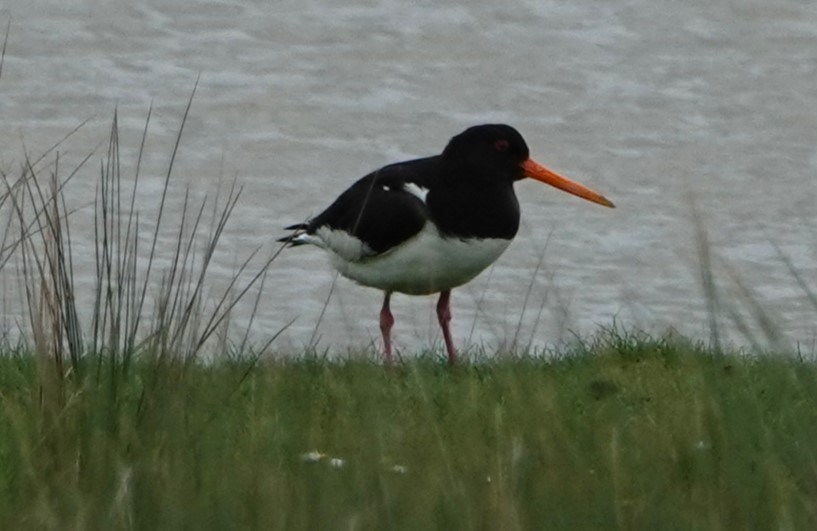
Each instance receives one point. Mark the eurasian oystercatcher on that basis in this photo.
(429, 225)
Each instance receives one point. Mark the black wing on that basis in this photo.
(382, 209)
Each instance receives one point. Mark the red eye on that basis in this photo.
(501, 145)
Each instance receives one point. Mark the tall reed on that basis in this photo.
(170, 313)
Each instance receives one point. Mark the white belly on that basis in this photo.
(428, 263)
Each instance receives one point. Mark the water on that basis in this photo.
(655, 104)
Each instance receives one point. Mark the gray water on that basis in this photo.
(658, 105)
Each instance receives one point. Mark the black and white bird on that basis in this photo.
(429, 225)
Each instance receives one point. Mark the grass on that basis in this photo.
(627, 432)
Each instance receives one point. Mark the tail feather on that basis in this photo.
(298, 226)
(288, 239)
(291, 239)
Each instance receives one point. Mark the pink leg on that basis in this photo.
(444, 316)
(386, 322)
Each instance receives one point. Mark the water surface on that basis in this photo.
(655, 104)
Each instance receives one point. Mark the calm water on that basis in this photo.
(655, 104)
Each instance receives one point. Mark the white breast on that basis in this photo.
(427, 263)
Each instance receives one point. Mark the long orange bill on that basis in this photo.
(536, 171)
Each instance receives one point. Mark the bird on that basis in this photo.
(431, 224)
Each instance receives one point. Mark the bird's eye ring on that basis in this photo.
(501, 145)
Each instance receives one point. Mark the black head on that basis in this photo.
(490, 151)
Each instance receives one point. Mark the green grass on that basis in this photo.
(627, 432)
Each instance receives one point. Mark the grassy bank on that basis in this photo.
(627, 432)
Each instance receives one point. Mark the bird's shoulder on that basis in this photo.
(401, 177)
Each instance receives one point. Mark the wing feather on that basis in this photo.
(379, 212)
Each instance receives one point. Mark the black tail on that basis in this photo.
(296, 228)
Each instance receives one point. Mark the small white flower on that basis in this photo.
(337, 462)
(399, 469)
(312, 457)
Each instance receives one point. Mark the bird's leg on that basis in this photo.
(386, 322)
(444, 316)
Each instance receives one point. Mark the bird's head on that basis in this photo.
(498, 151)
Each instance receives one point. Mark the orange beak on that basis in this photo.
(536, 171)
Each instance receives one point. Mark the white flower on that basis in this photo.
(312, 457)
(399, 469)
